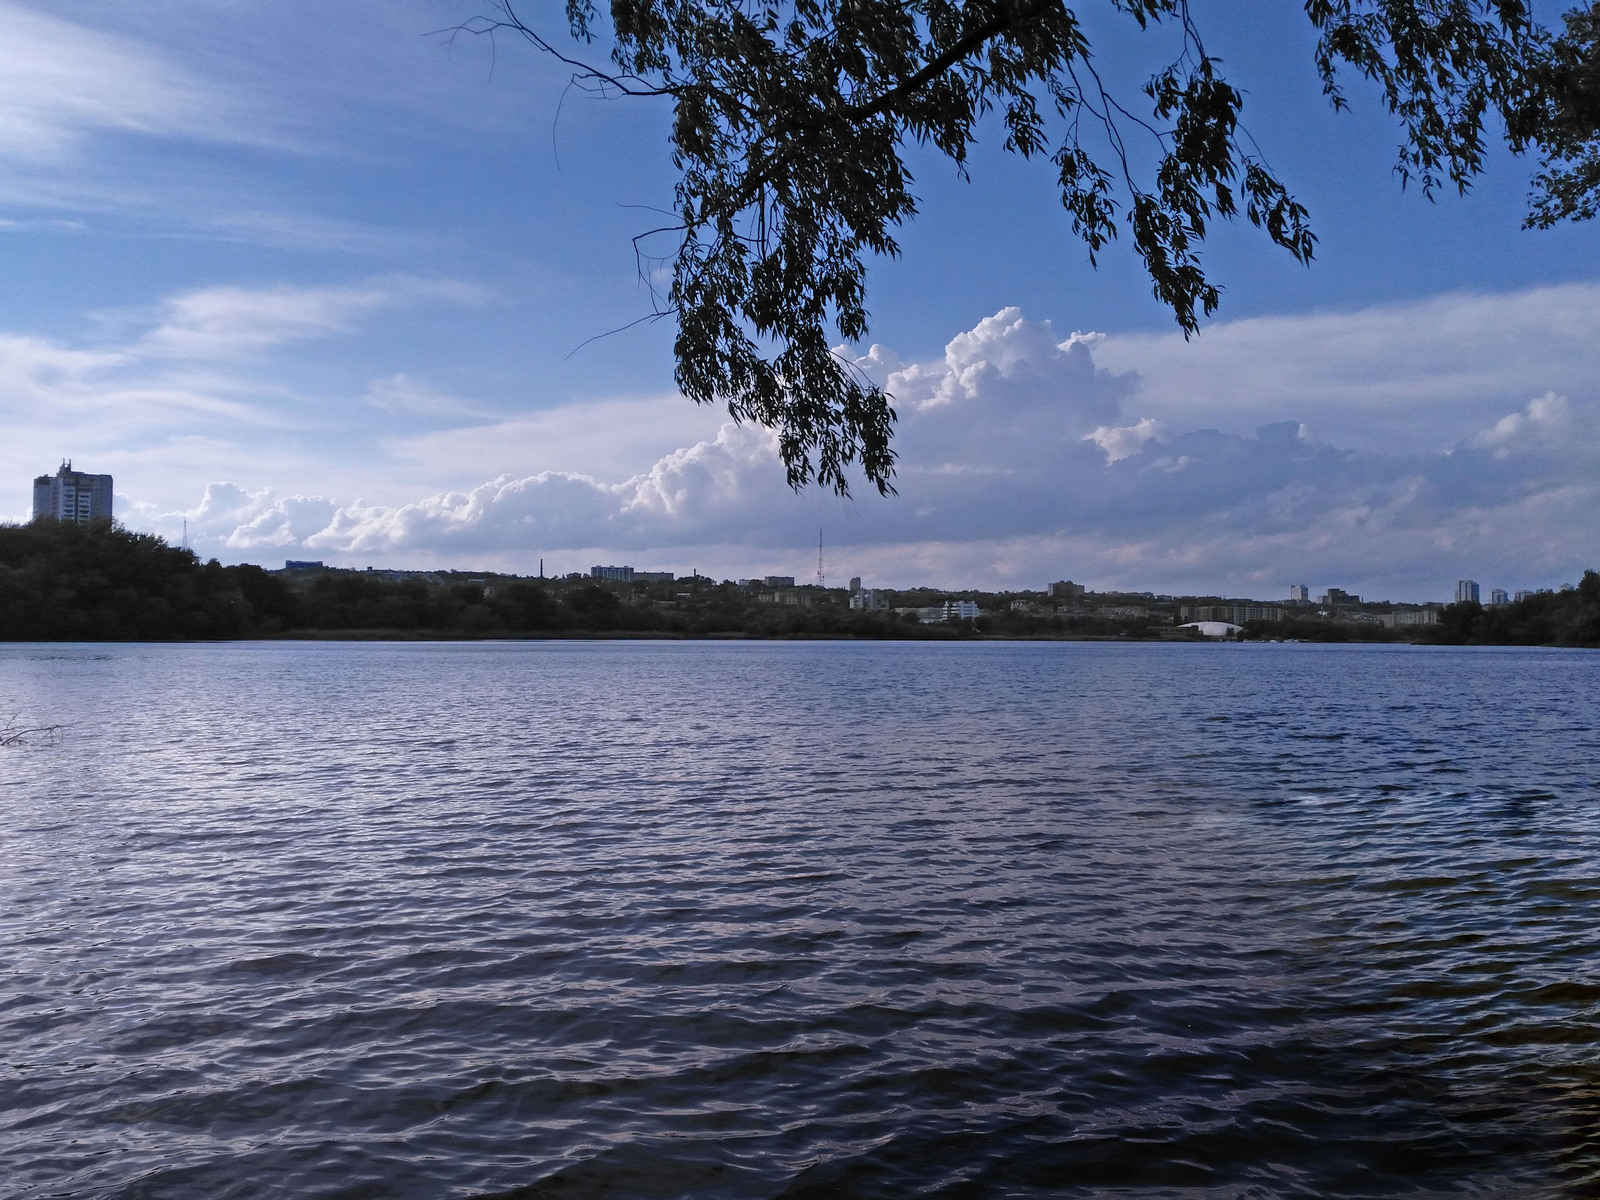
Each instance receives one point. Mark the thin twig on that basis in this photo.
(13, 735)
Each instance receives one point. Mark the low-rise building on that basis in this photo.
(1405, 617)
(793, 597)
(869, 600)
(950, 610)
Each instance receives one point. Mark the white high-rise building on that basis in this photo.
(1466, 589)
(70, 495)
(1299, 593)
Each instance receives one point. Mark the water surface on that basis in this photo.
(799, 920)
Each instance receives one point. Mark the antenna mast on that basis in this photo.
(820, 576)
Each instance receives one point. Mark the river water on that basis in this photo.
(799, 919)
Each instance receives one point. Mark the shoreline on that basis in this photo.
(647, 635)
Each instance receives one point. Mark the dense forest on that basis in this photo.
(65, 582)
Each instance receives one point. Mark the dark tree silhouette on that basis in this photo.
(791, 118)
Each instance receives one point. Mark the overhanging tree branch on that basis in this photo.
(791, 117)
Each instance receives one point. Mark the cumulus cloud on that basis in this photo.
(1408, 376)
(1123, 441)
(1550, 425)
(703, 492)
(1024, 456)
(246, 520)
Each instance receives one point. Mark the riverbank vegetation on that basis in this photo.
(64, 582)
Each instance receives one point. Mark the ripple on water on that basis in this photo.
(800, 920)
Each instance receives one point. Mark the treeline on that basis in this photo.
(64, 582)
(1570, 617)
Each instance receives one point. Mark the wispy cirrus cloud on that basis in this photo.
(62, 83)
(202, 374)
(230, 321)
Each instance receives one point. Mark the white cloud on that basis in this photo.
(1022, 458)
(61, 82)
(1124, 441)
(229, 321)
(603, 438)
(1550, 425)
(1399, 377)
(1006, 479)
(710, 488)
(399, 393)
(197, 387)
(246, 520)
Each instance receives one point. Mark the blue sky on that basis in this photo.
(321, 283)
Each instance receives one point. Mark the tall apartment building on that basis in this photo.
(1299, 593)
(615, 574)
(1497, 597)
(1466, 589)
(70, 495)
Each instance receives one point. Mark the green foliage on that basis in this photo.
(65, 582)
(1570, 617)
(791, 118)
(1563, 118)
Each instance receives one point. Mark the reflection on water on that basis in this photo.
(800, 920)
